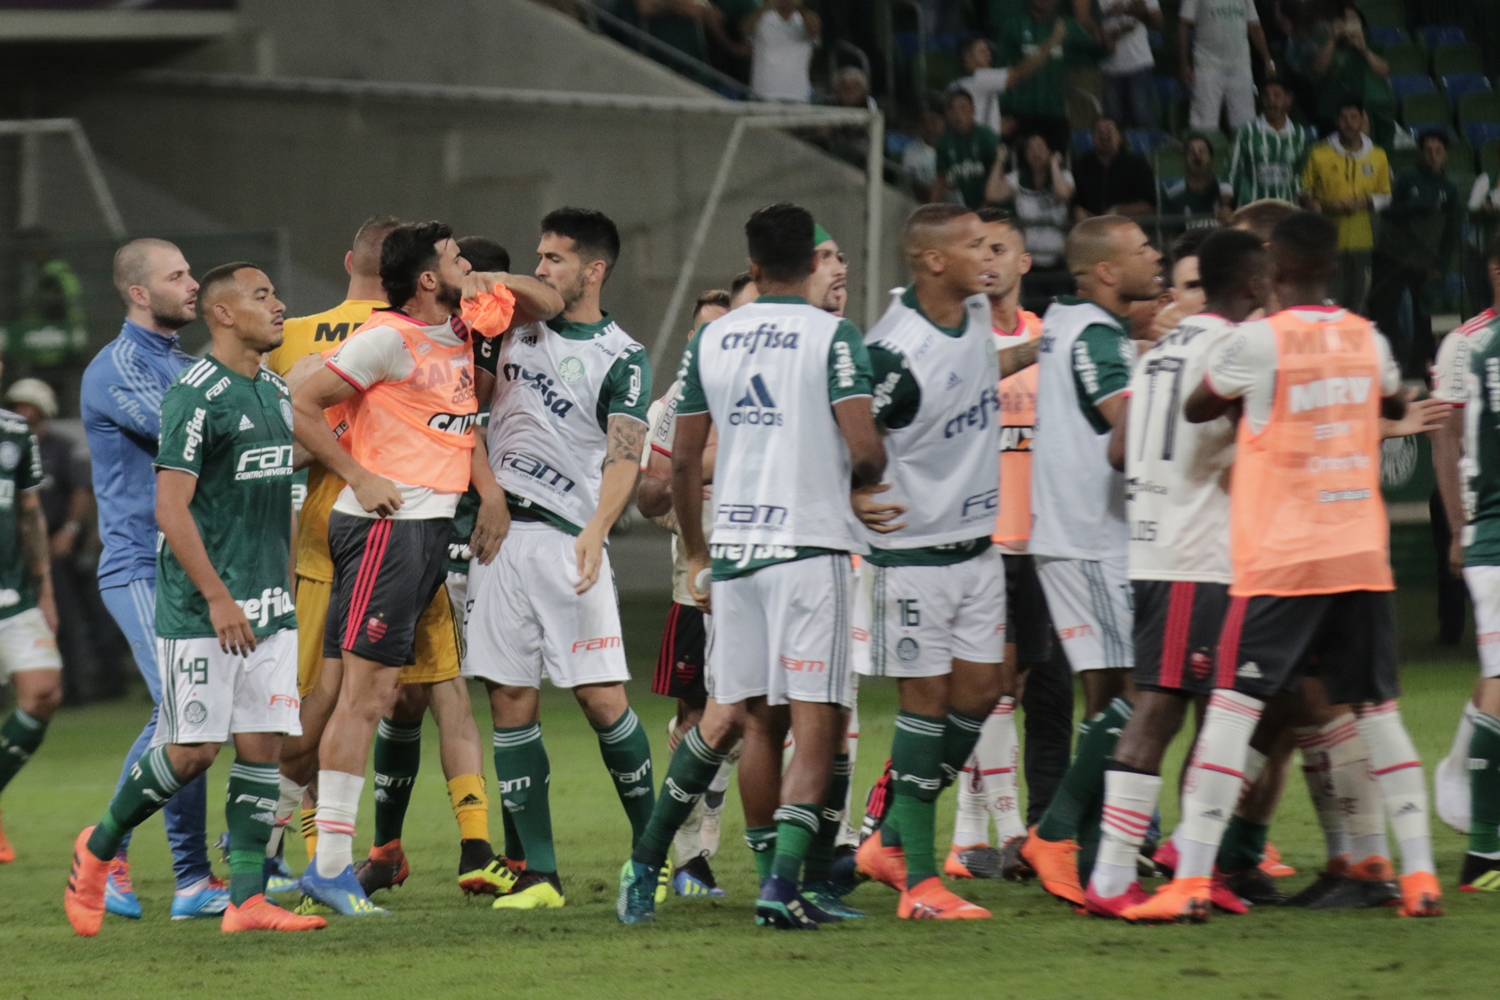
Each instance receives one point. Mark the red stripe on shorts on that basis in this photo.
(364, 581)
(667, 657)
(1229, 642)
(1175, 634)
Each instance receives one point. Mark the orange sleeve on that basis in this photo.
(490, 314)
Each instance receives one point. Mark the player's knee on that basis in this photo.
(602, 704)
(191, 760)
(41, 697)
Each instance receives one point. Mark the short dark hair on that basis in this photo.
(1226, 259)
(483, 253)
(1189, 243)
(1441, 135)
(1193, 137)
(1306, 242)
(780, 240)
(409, 250)
(220, 275)
(712, 297)
(953, 93)
(593, 234)
(738, 284)
(1260, 217)
(995, 213)
(1349, 101)
(367, 240)
(1276, 81)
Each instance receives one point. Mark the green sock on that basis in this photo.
(959, 736)
(691, 770)
(917, 755)
(514, 851)
(250, 809)
(627, 755)
(147, 788)
(1484, 786)
(398, 755)
(20, 735)
(820, 853)
(796, 825)
(523, 774)
(1084, 782)
(1090, 832)
(762, 841)
(1243, 846)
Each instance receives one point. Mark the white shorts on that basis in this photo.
(925, 617)
(208, 695)
(26, 643)
(1484, 590)
(1092, 611)
(525, 622)
(783, 633)
(458, 597)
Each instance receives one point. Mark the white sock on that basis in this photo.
(1000, 777)
(1314, 749)
(1255, 762)
(1359, 797)
(848, 832)
(338, 805)
(1465, 732)
(1395, 764)
(1129, 800)
(1215, 777)
(287, 802)
(686, 841)
(971, 825)
(674, 736)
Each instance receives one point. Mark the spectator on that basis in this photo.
(850, 89)
(965, 154)
(919, 158)
(1112, 180)
(1331, 52)
(685, 25)
(1198, 193)
(1039, 103)
(986, 84)
(1270, 151)
(1214, 40)
(1345, 178)
(1418, 236)
(782, 37)
(1038, 189)
(1129, 93)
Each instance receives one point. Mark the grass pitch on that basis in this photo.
(435, 944)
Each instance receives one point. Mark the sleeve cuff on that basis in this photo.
(345, 376)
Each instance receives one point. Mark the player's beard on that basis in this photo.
(167, 317)
(451, 297)
(572, 295)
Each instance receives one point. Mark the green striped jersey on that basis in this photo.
(1267, 163)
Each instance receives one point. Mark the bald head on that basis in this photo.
(364, 258)
(1110, 255)
(156, 285)
(138, 260)
(1260, 217)
(1094, 241)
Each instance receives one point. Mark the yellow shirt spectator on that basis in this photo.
(1336, 174)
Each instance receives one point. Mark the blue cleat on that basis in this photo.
(781, 906)
(636, 903)
(342, 893)
(208, 899)
(695, 878)
(279, 877)
(828, 896)
(119, 892)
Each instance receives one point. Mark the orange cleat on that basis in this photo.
(1225, 898)
(953, 867)
(1165, 858)
(84, 898)
(1372, 869)
(1180, 901)
(1420, 895)
(260, 914)
(1054, 864)
(1113, 906)
(886, 865)
(931, 900)
(7, 853)
(1272, 864)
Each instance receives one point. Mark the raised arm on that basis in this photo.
(320, 390)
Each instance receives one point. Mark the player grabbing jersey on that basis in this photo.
(225, 625)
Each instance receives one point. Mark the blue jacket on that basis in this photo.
(121, 402)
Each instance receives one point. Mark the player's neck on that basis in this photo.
(1005, 313)
(586, 311)
(364, 288)
(941, 305)
(1290, 296)
(1277, 123)
(1234, 309)
(427, 310)
(234, 354)
(1107, 299)
(785, 289)
(146, 321)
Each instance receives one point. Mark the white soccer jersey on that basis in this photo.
(944, 466)
(1177, 473)
(1450, 369)
(663, 422)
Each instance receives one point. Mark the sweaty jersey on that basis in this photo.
(234, 434)
(768, 374)
(20, 472)
(1077, 499)
(556, 386)
(1017, 428)
(937, 398)
(1481, 461)
(1177, 472)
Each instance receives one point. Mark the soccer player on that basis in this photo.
(226, 627)
(938, 607)
(787, 385)
(1079, 535)
(121, 398)
(567, 424)
(1308, 555)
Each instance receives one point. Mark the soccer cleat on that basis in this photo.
(260, 914)
(1420, 895)
(119, 891)
(1055, 865)
(978, 861)
(1180, 901)
(1365, 885)
(385, 868)
(886, 865)
(1013, 867)
(695, 878)
(1272, 864)
(931, 900)
(1113, 906)
(663, 881)
(84, 897)
(495, 879)
(342, 894)
(1479, 874)
(1224, 897)
(224, 847)
(828, 896)
(534, 891)
(309, 907)
(208, 899)
(636, 903)
(1256, 887)
(844, 870)
(780, 905)
(279, 877)
(1166, 858)
(7, 853)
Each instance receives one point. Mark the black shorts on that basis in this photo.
(1347, 640)
(385, 573)
(684, 645)
(1027, 623)
(1177, 626)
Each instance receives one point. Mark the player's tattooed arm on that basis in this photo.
(627, 436)
(1013, 359)
(32, 528)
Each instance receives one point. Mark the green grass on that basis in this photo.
(435, 944)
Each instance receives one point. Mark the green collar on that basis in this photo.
(909, 299)
(221, 366)
(795, 300)
(569, 330)
(1073, 300)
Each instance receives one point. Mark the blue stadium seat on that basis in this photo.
(1168, 90)
(1145, 140)
(1405, 84)
(1433, 35)
(1479, 133)
(1385, 36)
(1458, 84)
(896, 143)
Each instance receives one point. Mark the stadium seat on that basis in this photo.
(1406, 58)
(1384, 13)
(1403, 85)
(1457, 59)
(1480, 133)
(1168, 90)
(1387, 36)
(1402, 159)
(1463, 179)
(1167, 161)
(1489, 159)
(1144, 140)
(1460, 154)
(1480, 106)
(1435, 35)
(896, 143)
(1457, 85)
(1429, 107)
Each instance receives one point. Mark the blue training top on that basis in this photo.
(121, 402)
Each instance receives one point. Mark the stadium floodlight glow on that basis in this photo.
(31, 129)
(747, 115)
